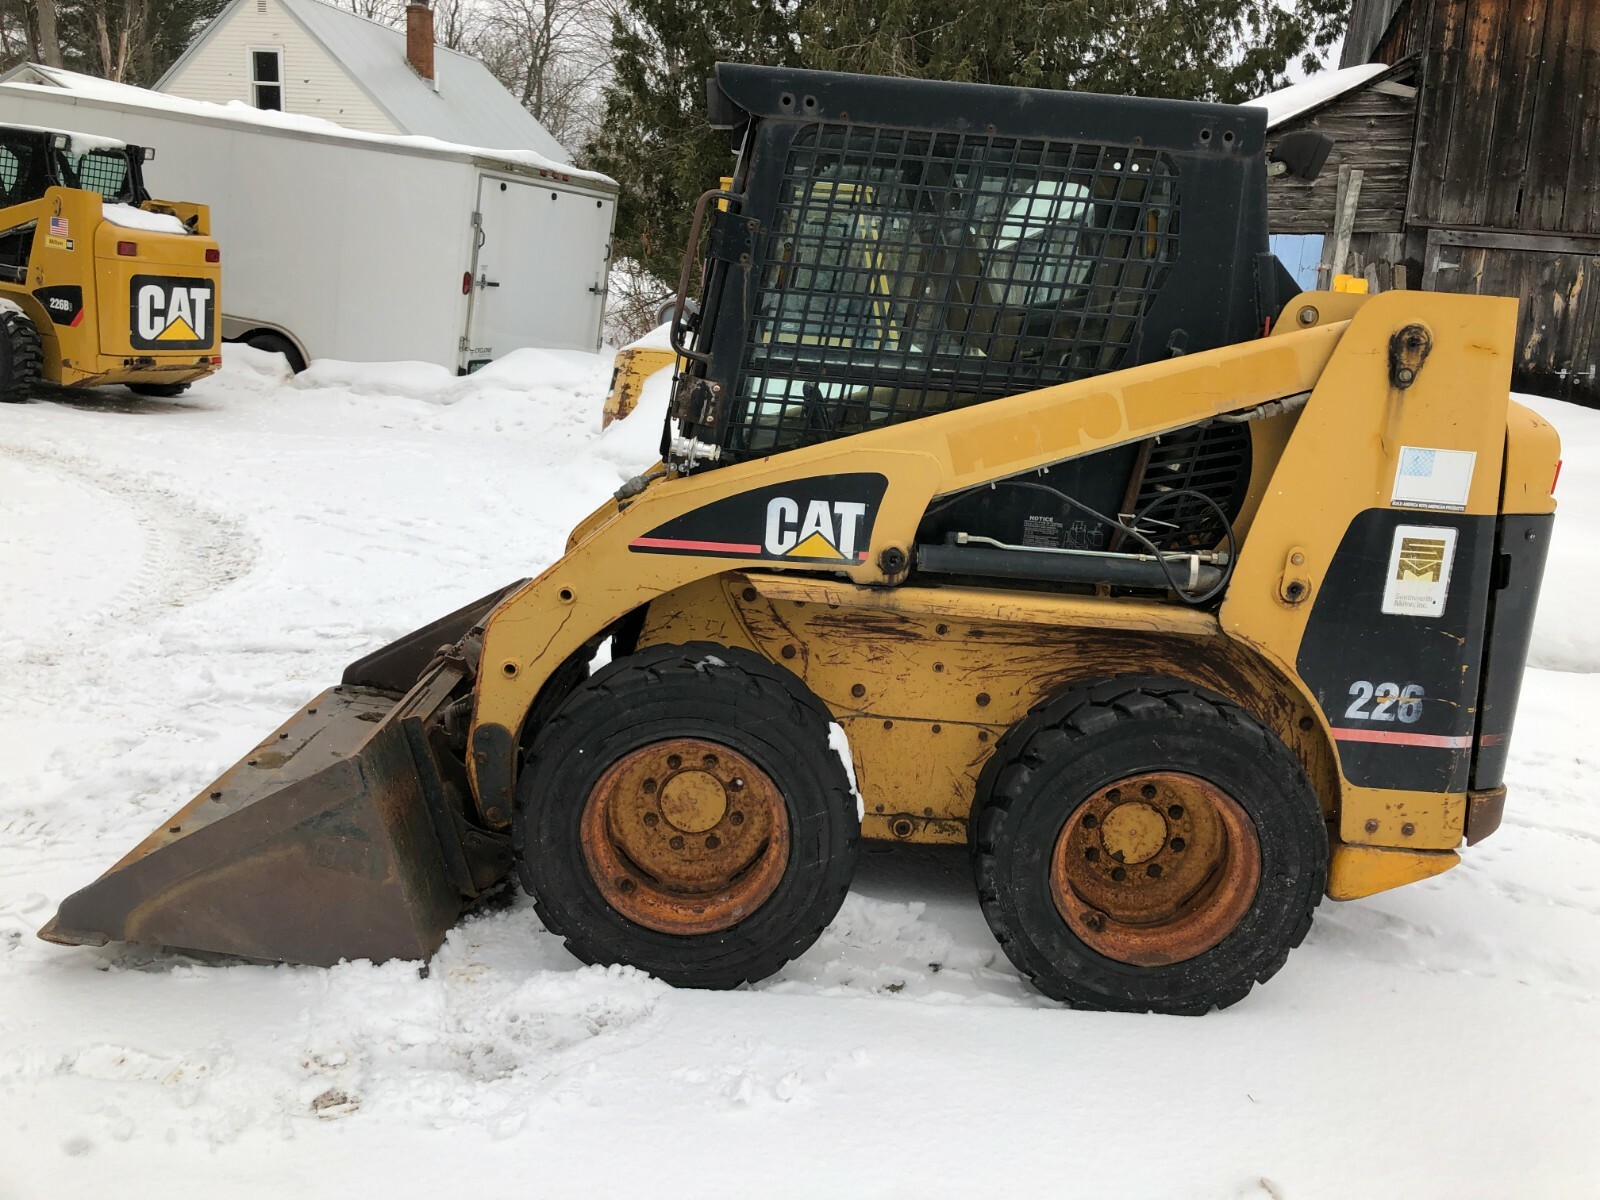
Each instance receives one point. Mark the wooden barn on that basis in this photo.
(1468, 160)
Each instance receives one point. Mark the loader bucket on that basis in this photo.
(335, 838)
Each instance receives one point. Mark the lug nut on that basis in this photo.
(1148, 791)
(1114, 795)
(649, 787)
(1153, 870)
(626, 885)
(1175, 812)
(713, 841)
(1178, 843)
(736, 818)
(674, 761)
(676, 843)
(709, 760)
(652, 820)
(1119, 873)
(1090, 821)
(1092, 854)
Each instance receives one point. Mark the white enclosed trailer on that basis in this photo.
(360, 246)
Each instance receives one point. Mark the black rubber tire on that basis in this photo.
(276, 343)
(720, 694)
(21, 358)
(161, 390)
(1068, 748)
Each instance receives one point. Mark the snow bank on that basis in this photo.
(179, 575)
(1566, 636)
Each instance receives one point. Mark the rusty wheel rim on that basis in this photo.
(1155, 868)
(685, 836)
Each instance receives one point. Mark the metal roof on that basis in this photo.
(468, 105)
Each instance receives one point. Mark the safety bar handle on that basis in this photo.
(689, 256)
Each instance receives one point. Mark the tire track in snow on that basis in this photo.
(190, 550)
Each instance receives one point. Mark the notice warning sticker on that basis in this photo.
(1429, 478)
(1418, 582)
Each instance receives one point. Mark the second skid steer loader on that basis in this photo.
(1003, 463)
(99, 284)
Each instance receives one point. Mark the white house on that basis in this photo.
(309, 58)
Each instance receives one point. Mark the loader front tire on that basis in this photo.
(1143, 845)
(683, 812)
(21, 357)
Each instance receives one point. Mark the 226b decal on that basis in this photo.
(821, 520)
(171, 312)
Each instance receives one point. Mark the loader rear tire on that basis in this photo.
(684, 813)
(1143, 845)
(21, 358)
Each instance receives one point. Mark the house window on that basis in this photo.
(266, 79)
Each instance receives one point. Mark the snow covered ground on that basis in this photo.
(177, 576)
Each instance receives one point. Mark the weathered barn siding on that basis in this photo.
(1372, 130)
(1505, 178)
(1558, 316)
(1370, 20)
(1506, 132)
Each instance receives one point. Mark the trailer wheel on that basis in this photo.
(1143, 845)
(163, 390)
(276, 343)
(21, 357)
(684, 813)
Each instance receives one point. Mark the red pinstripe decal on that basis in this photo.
(1397, 738)
(650, 543)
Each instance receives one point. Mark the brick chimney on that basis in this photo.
(419, 39)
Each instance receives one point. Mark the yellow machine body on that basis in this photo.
(114, 304)
(632, 367)
(925, 680)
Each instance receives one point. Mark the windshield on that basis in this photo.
(908, 272)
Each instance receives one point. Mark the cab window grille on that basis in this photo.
(908, 272)
(104, 172)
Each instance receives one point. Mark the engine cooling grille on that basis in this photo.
(1213, 460)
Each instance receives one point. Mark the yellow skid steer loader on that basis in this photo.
(1005, 463)
(99, 284)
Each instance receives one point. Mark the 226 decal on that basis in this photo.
(822, 519)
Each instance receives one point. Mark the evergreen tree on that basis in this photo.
(654, 139)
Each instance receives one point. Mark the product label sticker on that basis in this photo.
(1428, 478)
(1418, 581)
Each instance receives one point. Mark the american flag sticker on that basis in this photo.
(1429, 478)
(58, 227)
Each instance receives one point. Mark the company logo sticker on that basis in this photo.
(171, 312)
(1418, 582)
(825, 519)
(1429, 478)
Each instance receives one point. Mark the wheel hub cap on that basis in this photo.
(1155, 868)
(694, 801)
(685, 836)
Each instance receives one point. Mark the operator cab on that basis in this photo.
(34, 160)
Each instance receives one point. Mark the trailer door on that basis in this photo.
(540, 274)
